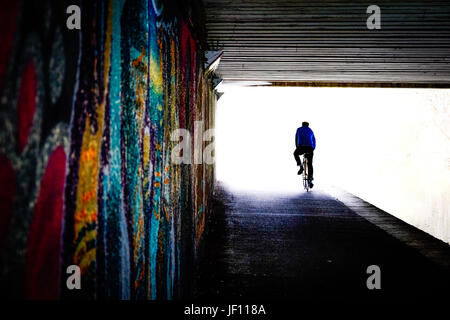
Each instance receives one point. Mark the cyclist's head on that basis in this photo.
(305, 124)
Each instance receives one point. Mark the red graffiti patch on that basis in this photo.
(44, 238)
(26, 104)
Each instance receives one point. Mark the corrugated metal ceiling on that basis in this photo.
(328, 41)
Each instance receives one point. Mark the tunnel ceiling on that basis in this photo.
(328, 41)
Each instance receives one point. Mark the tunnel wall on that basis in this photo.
(85, 148)
(395, 154)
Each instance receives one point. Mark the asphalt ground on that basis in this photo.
(269, 247)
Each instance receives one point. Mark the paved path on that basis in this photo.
(308, 245)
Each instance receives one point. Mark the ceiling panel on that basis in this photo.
(328, 41)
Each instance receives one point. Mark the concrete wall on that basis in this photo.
(86, 177)
(393, 150)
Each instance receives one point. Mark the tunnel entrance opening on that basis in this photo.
(389, 146)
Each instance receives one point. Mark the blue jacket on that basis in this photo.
(305, 137)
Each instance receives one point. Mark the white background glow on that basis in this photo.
(255, 129)
(390, 147)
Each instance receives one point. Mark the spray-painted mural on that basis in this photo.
(85, 149)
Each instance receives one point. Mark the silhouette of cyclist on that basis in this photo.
(305, 143)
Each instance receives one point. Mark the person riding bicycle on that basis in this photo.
(305, 143)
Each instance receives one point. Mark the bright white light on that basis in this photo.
(255, 129)
(390, 147)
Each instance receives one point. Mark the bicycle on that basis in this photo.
(305, 173)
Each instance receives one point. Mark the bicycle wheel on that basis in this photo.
(305, 174)
(305, 185)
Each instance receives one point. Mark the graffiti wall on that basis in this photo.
(85, 148)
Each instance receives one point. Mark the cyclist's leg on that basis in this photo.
(298, 151)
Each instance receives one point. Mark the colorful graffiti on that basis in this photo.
(85, 149)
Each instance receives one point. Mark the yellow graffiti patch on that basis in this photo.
(86, 204)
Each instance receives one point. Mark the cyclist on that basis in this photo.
(305, 143)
